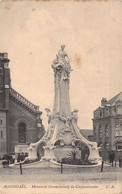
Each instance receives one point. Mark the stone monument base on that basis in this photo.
(63, 152)
(21, 148)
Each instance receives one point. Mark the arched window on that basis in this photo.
(22, 132)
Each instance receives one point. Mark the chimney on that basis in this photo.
(103, 101)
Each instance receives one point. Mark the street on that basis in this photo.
(45, 180)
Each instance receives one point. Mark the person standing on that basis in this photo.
(112, 156)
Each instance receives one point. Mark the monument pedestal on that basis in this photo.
(94, 154)
(62, 152)
(32, 150)
(49, 154)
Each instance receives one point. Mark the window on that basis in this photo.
(22, 132)
(120, 129)
(119, 146)
(6, 64)
(100, 131)
(107, 146)
(101, 113)
(0, 97)
(113, 110)
(1, 134)
(1, 54)
(96, 114)
(106, 112)
(117, 129)
(1, 121)
(1, 81)
(119, 109)
(95, 131)
(106, 130)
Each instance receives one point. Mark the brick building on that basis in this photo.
(107, 125)
(20, 122)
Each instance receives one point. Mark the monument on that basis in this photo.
(63, 132)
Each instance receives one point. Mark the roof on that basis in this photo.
(26, 103)
(86, 132)
(114, 99)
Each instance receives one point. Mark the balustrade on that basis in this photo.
(22, 99)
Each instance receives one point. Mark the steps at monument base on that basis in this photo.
(54, 164)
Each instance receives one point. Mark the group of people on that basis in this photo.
(11, 158)
(21, 156)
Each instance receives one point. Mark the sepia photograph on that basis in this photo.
(60, 97)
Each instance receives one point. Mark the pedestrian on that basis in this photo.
(13, 156)
(111, 156)
(18, 157)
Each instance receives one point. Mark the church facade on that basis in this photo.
(20, 122)
(107, 125)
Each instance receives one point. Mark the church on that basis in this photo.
(20, 120)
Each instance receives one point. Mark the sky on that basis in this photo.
(31, 32)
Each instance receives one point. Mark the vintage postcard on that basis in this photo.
(60, 96)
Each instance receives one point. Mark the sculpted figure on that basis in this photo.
(75, 115)
(63, 55)
(48, 114)
(61, 64)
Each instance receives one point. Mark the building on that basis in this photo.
(20, 122)
(107, 125)
(87, 133)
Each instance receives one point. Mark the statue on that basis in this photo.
(48, 114)
(62, 64)
(74, 115)
(62, 54)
